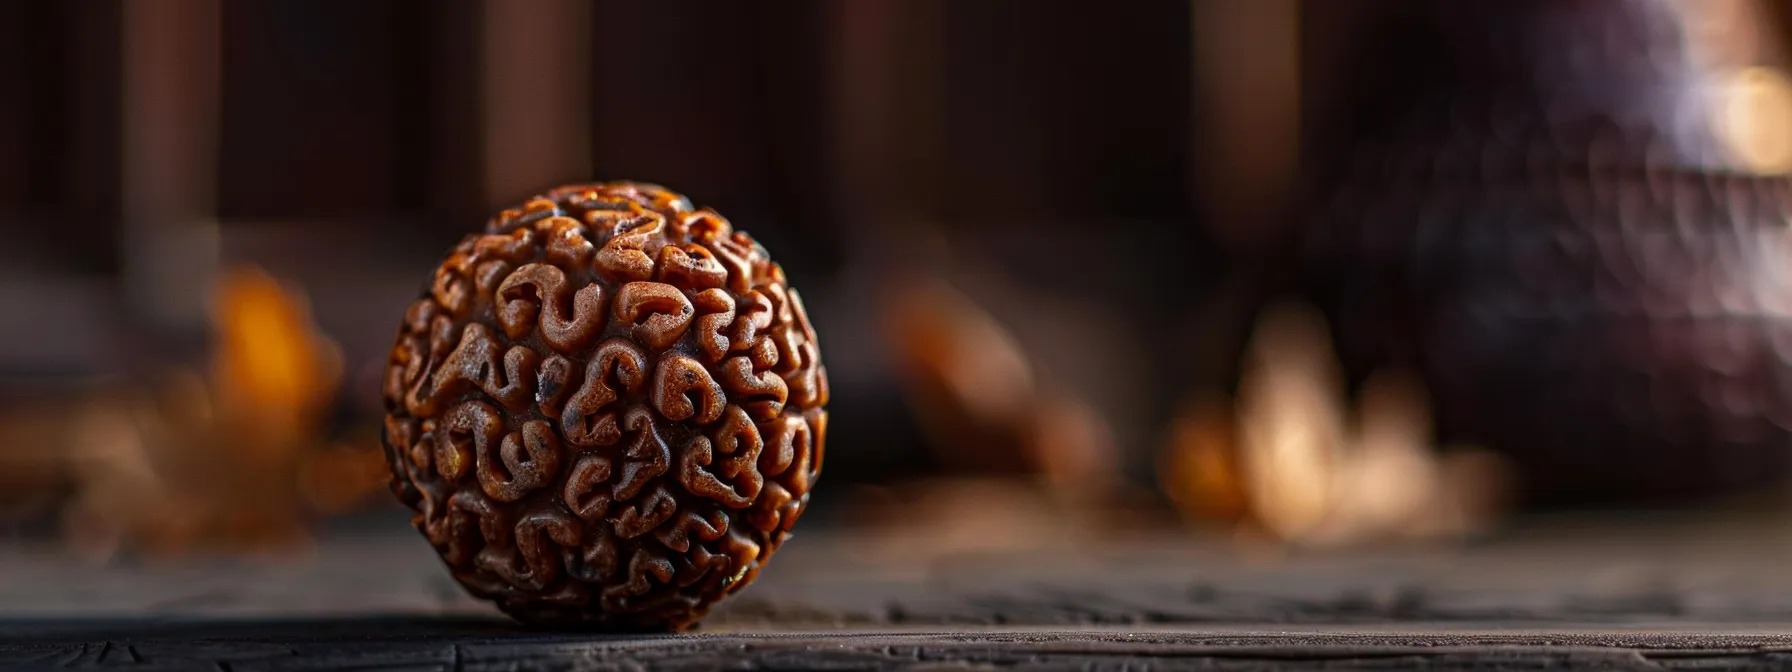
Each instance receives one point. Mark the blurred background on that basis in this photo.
(1281, 272)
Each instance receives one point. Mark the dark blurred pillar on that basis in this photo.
(886, 78)
(59, 185)
(536, 72)
(169, 168)
(1245, 161)
(59, 129)
(1247, 76)
(23, 41)
(884, 82)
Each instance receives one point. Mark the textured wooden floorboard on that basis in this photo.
(413, 644)
(1657, 594)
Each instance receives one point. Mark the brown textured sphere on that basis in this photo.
(606, 410)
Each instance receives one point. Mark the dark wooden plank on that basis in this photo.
(833, 578)
(1660, 594)
(410, 644)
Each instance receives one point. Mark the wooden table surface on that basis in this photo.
(1649, 592)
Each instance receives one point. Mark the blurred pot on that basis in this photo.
(1569, 215)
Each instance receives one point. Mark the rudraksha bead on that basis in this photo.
(606, 410)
